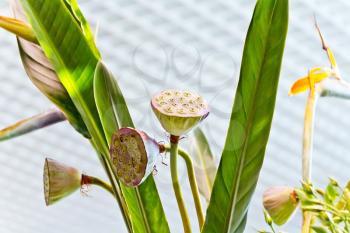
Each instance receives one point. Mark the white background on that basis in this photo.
(152, 45)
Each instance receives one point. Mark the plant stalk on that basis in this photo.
(116, 190)
(118, 195)
(193, 184)
(174, 140)
(308, 146)
(91, 180)
(308, 136)
(307, 219)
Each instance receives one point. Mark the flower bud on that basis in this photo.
(59, 181)
(179, 111)
(268, 218)
(280, 203)
(133, 154)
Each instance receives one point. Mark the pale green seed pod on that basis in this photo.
(133, 154)
(59, 181)
(179, 111)
(280, 202)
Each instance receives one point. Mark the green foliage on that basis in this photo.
(89, 95)
(42, 74)
(205, 167)
(114, 113)
(74, 57)
(329, 207)
(252, 111)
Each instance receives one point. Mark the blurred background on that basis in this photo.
(153, 45)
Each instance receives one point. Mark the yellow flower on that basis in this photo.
(318, 74)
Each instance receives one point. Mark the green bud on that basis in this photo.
(280, 203)
(133, 154)
(179, 111)
(268, 218)
(59, 181)
(308, 188)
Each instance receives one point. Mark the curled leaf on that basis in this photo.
(42, 74)
(19, 28)
(31, 124)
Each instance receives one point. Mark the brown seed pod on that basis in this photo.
(60, 181)
(133, 154)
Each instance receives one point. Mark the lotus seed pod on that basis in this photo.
(179, 111)
(133, 154)
(280, 203)
(59, 181)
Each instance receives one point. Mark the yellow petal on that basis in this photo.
(331, 57)
(316, 75)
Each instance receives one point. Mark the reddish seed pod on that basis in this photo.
(133, 154)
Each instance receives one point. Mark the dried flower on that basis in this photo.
(60, 181)
(280, 202)
(179, 111)
(133, 154)
(317, 76)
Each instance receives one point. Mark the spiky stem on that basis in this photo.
(176, 185)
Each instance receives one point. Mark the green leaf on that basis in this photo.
(204, 162)
(144, 204)
(41, 73)
(332, 192)
(319, 229)
(73, 6)
(71, 55)
(75, 60)
(251, 118)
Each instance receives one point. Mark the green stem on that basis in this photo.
(116, 190)
(272, 228)
(118, 195)
(91, 180)
(176, 185)
(193, 184)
